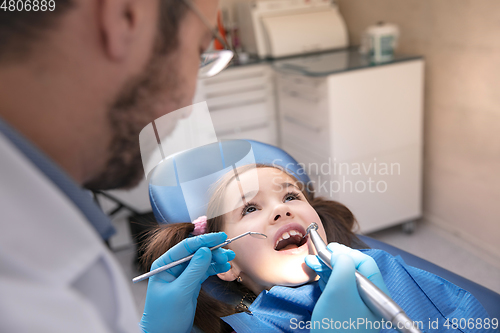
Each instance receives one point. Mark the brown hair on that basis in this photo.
(337, 219)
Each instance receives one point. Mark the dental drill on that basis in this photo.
(374, 298)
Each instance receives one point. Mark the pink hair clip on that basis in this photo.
(200, 226)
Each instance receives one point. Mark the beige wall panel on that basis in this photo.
(460, 40)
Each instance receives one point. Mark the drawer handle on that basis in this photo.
(243, 129)
(295, 94)
(235, 91)
(316, 129)
(245, 102)
(231, 78)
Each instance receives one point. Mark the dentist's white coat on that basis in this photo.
(56, 275)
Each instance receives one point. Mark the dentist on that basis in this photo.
(77, 85)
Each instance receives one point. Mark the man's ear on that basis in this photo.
(118, 21)
(230, 275)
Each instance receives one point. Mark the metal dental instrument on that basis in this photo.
(375, 299)
(180, 261)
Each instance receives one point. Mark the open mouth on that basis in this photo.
(292, 238)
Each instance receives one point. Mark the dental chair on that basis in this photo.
(169, 206)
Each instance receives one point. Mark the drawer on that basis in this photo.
(314, 115)
(237, 79)
(238, 99)
(233, 74)
(225, 118)
(235, 87)
(300, 96)
(301, 86)
(308, 135)
(264, 132)
(303, 108)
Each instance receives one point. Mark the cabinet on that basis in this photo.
(241, 101)
(359, 135)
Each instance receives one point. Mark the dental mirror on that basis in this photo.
(257, 235)
(139, 278)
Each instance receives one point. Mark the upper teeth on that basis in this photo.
(287, 235)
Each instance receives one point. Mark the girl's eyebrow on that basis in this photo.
(249, 195)
(285, 184)
(244, 198)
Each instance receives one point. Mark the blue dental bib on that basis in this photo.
(427, 299)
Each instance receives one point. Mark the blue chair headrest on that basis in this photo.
(207, 164)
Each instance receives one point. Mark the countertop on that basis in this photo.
(325, 63)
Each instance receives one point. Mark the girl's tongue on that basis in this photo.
(289, 246)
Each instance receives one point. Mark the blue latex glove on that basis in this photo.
(340, 302)
(172, 294)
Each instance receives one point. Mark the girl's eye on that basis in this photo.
(249, 208)
(291, 196)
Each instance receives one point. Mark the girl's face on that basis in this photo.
(280, 211)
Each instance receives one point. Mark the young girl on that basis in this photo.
(278, 290)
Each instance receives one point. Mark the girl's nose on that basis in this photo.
(281, 212)
(278, 216)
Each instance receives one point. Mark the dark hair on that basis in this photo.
(20, 29)
(171, 14)
(337, 219)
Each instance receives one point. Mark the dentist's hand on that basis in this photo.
(172, 294)
(340, 301)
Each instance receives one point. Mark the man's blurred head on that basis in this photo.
(145, 97)
(144, 55)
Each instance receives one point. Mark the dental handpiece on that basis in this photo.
(187, 258)
(375, 299)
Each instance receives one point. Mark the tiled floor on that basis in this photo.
(446, 250)
(428, 242)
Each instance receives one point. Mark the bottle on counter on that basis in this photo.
(379, 42)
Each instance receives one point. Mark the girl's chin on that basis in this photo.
(302, 275)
